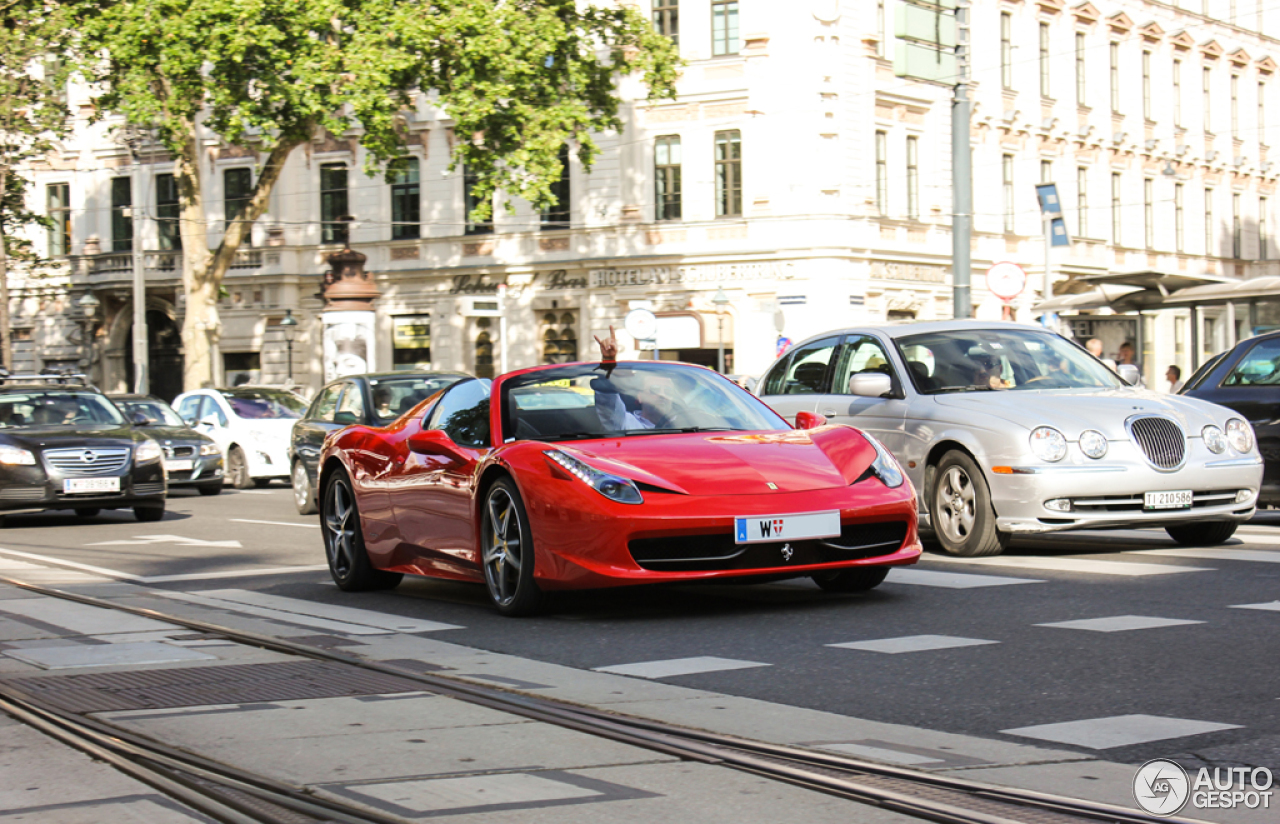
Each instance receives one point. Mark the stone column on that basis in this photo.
(348, 317)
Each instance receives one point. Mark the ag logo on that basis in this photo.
(1161, 787)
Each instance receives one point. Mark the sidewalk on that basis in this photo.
(419, 755)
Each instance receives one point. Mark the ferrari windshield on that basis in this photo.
(38, 408)
(1000, 359)
(581, 401)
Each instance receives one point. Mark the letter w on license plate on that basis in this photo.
(758, 529)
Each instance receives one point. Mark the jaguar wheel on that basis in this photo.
(506, 546)
(851, 580)
(238, 469)
(344, 541)
(964, 521)
(304, 498)
(1210, 533)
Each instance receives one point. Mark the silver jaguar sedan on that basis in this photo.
(1008, 429)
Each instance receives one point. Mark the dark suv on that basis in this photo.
(64, 445)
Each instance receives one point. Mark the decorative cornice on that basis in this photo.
(1151, 32)
(1181, 41)
(1120, 23)
(1266, 65)
(1211, 50)
(1086, 13)
(1240, 58)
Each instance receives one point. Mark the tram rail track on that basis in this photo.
(229, 794)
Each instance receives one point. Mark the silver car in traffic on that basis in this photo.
(1008, 429)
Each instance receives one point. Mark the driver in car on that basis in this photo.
(986, 369)
(657, 402)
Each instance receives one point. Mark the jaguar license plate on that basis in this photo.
(179, 464)
(79, 486)
(1179, 499)
(759, 529)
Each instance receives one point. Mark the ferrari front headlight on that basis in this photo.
(147, 452)
(613, 487)
(1048, 444)
(16, 456)
(1239, 435)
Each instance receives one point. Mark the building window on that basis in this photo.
(724, 27)
(557, 216)
(1046, 171)
(58, 200)
(1044, 60)
(1082, 202)
(334, 217)
(411, 342)
(1115, 77)
(1209, 245)
(666, 174)
(666, 18)
(1206, 79)
(1178, 238)
(1262, 114)
(469, 203)
(559, 337)
(237, 187)
(1262, 229)
(168, 212)
(882, 173)
(1006, 166)
(1146, 85)
(1115, 208)
(1177, 93)
(1148, 215)
(121, 214)
(729, 173)
(484, 349)
(241, 368)
(913, 179)
(406, 199)
(1235, 105)
(1006, 49)
(1237, 234)
(1080, 70)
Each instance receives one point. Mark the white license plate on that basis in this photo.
(759, 529)
(1179, 499)
(72, 486)
(179, 464)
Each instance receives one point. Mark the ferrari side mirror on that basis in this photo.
(432, 442)
(809, 420)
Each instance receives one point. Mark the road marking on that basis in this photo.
(1274, 606)
(58, 562)
(1120, 623)
(1215, 553)
(679, 666)
(1118, 730)
(913, 643)
(881, 754)
(474, 792)
(1077, 565)
(139, 540)
(274, 523)
(82, 619)
(275, 614)
(952, 580)
(107, 655)
(48, 562)
(351, 615)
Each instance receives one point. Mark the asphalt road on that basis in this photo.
(948, 645)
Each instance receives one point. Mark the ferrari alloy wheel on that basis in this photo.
(851, 580)
(238, 469)
(1210, 533)
(344, 541)
(963, 518)
(506, 548)
(303, 498)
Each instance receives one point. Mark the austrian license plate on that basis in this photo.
(1179, 499)
(72, 486)
(179, 464)
(759, 529)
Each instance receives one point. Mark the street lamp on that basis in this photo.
(289, 327)
(721, 300)
(89, 307)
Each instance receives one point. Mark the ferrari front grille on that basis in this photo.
(1160, 439)
(87, 460)
(702, 553)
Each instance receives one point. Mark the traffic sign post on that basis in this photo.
(642, 324)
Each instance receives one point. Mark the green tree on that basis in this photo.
(517, 77)
(32, 114)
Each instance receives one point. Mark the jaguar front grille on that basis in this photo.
(1160, 439)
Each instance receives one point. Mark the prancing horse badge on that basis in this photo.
(787, 552)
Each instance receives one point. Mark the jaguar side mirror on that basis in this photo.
(870, 384)
(1129, 374)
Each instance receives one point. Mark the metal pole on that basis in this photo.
(289, 343)
(1047, 286)
(720, 340)
(961, 172)
(502, 327)
(141, 378)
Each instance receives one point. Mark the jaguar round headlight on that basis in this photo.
(1093, 443)
(1214, 439)
(1239, 435)
(1048, 444)
(147, 451)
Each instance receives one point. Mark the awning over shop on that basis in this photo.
(1130, 291)
(1092, 299)
(1236, 291)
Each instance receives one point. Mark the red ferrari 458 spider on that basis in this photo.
(589, 475)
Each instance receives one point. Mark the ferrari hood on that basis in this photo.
(736, 463)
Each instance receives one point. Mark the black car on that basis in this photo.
(375, 400)
(190, 457)
(1246, 378)
(64, 445)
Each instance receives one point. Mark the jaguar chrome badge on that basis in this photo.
(787, 552)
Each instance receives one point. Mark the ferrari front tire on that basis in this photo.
(344, 541)
(964, 522)
(506, 547)
(861, 579)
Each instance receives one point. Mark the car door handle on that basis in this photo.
(829, 413)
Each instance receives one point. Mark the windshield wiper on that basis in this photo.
(969, 387)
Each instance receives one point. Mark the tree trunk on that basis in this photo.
(6, 339)
(202, 270)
